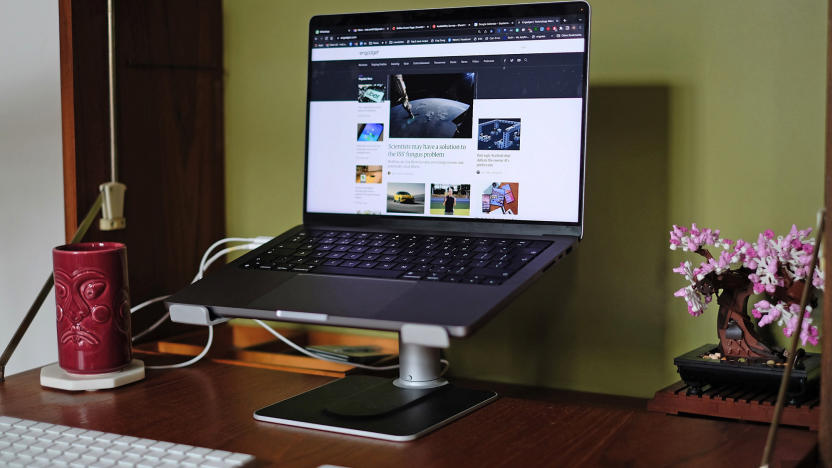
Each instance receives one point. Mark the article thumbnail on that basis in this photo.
(368, 174)
(499, 134)
(406, 198)
(501, 198)
(450, 199)
(370, 132)
(370, 89)
(437, 105)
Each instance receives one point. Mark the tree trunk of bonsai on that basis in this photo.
(737, 336)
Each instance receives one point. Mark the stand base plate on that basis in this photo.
(55, 377)
(309, 410)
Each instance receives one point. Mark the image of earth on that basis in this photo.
(433, 118)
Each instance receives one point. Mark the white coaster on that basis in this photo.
(55, 377)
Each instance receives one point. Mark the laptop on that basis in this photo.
(445, 154)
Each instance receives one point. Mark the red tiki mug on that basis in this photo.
(93, 307)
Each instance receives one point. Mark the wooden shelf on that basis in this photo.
(255, 347)
(735, 402)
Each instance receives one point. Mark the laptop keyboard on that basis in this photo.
(454, 259)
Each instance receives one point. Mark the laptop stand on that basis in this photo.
(416, 403)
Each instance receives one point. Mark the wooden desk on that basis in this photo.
(211, 404)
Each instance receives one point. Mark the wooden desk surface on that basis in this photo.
(211, 404)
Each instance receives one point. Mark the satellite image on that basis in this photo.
(432, 105)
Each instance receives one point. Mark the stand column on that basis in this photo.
(419, 367)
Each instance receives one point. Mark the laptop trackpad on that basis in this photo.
(344, 296)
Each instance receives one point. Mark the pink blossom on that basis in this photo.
(809, 333)
(771, 260)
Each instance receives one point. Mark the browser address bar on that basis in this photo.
(548, 46)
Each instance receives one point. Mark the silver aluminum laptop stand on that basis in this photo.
(419, 401)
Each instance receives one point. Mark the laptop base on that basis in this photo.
(370, 406)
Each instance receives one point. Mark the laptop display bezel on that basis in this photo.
(475, 225)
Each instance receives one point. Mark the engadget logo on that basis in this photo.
(368, 52)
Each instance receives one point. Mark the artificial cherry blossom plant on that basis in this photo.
(770, 264)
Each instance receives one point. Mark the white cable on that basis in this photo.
(195, 358)
(155, 325)
(198, 276)
(146, 303)
(219, 255)
(252, 243)
(318, 356)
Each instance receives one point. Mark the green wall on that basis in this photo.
(731, 136)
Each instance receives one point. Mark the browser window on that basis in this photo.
(470, 119)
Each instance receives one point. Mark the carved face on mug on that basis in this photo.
(85, 308)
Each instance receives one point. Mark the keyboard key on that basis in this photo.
(40, 427)
(198, 452)
(7, 421)
(162, 446)
(372, 272)
(24, 423)
(173, 458)
(180, 449)
(218, 455)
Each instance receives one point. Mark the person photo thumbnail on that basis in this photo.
(498, 134)
(438, 105)
(501, 198)
(370, 89)
(450, 199)
(404, 197)
(368, 174)
(370, 132)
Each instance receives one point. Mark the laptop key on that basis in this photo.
(492, 272)
(452, 279)
(412, 275)
(372, 272)
(350, 263)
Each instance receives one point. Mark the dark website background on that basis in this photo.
(515, 76)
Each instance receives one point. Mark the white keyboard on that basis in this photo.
(27, 443)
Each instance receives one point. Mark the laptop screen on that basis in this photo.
(471, 113)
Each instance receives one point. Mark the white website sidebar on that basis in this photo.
(550, 46)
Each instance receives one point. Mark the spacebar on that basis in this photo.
(333, 270)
